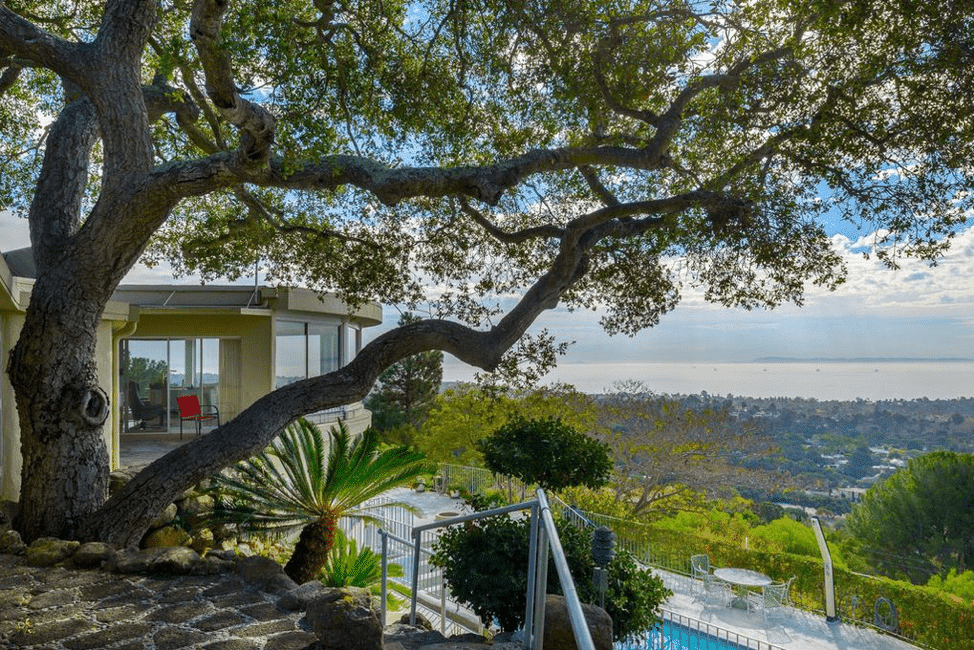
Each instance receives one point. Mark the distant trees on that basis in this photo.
(405, 391)
(461, 416)
(922, 512)
(664, 448)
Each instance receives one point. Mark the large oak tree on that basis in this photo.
(506, 153)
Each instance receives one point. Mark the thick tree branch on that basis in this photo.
(55, 211)
(256, 124)
(390, 185)
(25, 40)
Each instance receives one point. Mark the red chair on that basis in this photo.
(190, 409)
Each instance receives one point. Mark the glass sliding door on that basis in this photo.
(156, 373)
(144, 370)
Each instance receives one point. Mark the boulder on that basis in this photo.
(165, 537)
(134, 560)
(265, 574)
(346, 618)
(212, 565)
(92, 555)
(202, 540)
(11, 543)
(410, 637)
(196, 508)
(558, 633)
(48, 551)
(176, 560)
(299, 598)
(165, 517)
(118, 479)
(421, 621)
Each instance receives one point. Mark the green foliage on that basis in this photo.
(925, 510)
(145, 371)
(406, 390)
(960, 584)
(348, 566)
(787, 536)
(548, 453)
(486, 565)
(463, 415)
(299, 483)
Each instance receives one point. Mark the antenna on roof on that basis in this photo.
(253, 297)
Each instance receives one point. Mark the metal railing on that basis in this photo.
(544, 536)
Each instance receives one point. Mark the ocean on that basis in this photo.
(826, 380)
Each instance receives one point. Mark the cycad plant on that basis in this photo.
(302, 483)
(348, 566)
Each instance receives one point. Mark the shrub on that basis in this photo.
(486, 564)
(547, 452)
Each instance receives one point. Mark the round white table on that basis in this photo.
(743, 579)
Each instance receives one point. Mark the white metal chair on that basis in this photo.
(699, 571)
(772, 597)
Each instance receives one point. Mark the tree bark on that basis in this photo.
(62, 409)
(311, 551)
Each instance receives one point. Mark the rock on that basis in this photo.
(165, 517)
(177, 560)
(558, 633)
(299, 598)
(92, 555)
(411, 638)
(134, 561)
(212, 565)
(48, 551)
(118, 479)
(11, 543)
(8, 512)
(165, 537)
(243, 550)
(265, 574)
(196, 508)
(346, 618)
(421, 621)
(202, 540)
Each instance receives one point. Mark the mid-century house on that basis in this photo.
(226, 345)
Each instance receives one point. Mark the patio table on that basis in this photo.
(742, 579)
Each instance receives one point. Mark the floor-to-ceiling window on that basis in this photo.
(156, 372)
(306, 349)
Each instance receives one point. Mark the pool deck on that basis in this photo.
(788, 628)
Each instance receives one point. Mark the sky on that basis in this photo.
(917, 311)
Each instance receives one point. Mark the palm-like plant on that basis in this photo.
(302, 483)
(349, 566)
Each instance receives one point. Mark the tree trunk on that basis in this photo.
(311, 551)
(61, 410)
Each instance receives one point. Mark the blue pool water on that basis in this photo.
(679, 637)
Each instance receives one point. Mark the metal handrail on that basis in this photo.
(543, 535)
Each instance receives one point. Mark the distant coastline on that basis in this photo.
(862, 360)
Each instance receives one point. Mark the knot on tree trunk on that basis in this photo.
(93, 407)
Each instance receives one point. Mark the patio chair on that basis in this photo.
(772, 597)
(717, 591)
(143, 410)
(699, 570)
(190, 409)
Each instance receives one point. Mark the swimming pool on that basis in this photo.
(671, 635)
(679, 637)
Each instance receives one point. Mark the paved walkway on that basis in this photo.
(57, 609)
